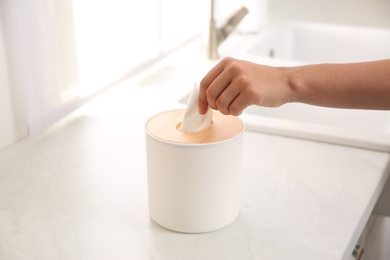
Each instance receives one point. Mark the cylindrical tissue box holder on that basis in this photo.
(193, 178)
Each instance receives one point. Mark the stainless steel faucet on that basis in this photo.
(216, 36)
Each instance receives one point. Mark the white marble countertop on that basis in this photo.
(79, 190)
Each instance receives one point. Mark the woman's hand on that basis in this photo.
(233, 85)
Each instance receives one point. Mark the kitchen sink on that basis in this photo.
(303, 43)
(358, 128)
(319, 43)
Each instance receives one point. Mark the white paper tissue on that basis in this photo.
(192, 120)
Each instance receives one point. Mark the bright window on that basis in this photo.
(60, 52)
(115, 36)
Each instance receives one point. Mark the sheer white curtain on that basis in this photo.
(59, 53)
(7, 128)
(41, 61)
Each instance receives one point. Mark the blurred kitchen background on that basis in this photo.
(56, 55)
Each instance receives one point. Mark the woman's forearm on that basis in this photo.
(233, 85)
(364, 85)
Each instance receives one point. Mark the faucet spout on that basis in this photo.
(216, 36)
(232, 23)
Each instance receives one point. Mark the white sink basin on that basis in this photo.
(302, 43)
(318, 43)
(357, 128)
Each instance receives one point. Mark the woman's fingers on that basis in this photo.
(225, 99)
(233, 85)
(213, 85)
(204, 86)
